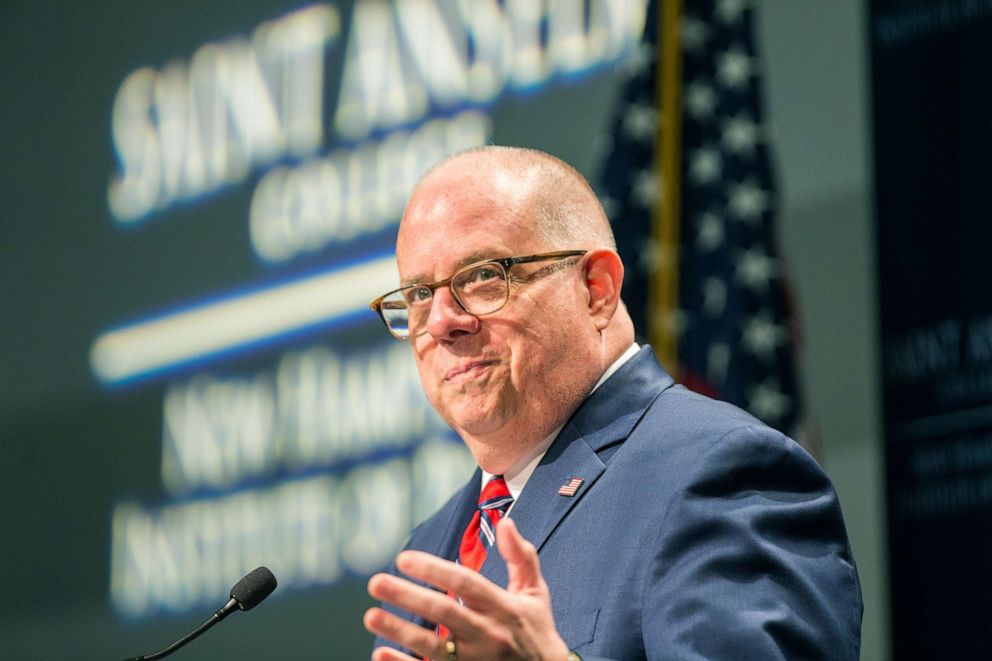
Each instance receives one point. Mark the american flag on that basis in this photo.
(735, 332)
(571, 487)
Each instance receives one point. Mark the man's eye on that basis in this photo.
(418, 294)
(483, 273)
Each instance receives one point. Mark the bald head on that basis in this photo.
(550, 197)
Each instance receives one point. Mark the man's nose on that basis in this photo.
(448, 319)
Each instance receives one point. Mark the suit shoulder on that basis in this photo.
(687, 414)
(684, 428)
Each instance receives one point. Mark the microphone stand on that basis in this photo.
(228, 608)
(247, 593)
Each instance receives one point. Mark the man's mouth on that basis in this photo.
(468, 370)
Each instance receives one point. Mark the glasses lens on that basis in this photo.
(396, 313)
(482, 288)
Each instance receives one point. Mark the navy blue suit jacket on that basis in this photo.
(697, 533)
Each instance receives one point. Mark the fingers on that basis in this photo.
(389, 654)
(475, 591)
(522, 564)
(430, 604)
(403, 632)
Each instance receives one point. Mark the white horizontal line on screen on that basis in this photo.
(239, 321)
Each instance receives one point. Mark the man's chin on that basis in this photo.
(477, 418)
(479, 426)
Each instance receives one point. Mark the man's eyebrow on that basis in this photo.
(472, 258)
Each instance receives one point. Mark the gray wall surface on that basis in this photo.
(817, 80)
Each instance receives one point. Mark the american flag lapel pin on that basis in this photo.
(570, 487)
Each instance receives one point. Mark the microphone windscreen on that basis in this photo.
(253, 588)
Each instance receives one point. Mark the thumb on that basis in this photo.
(522, 565)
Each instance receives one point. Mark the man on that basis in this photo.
(645, 521)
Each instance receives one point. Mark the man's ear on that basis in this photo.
(603, 279)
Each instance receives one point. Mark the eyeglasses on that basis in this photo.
(480, 288)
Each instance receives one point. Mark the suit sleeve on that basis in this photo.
(752, 559)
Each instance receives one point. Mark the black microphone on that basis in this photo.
(245, 595)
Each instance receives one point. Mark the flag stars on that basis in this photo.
(694, 33)
(668, 322)
(734, 68)
(717, 363)
(705, 165)
(739, 134)
(755, 269)
(762, 336)
(748, 201)
(710, 231)
(768, 402)
(651, 256)
(700, 100)
(729, 11)
(640, 121)
(639, 60)
(714, 297)
(646, 187)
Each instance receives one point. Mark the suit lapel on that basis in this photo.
(540, 509)
(604, 419)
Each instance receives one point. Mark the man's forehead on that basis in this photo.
(468, 210)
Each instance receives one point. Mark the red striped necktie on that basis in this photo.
(480, 535)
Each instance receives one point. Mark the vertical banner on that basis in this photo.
(932, 69)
